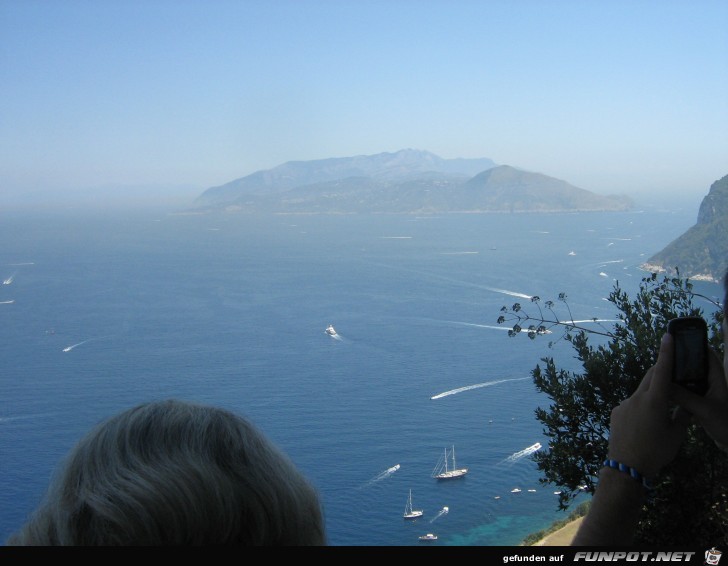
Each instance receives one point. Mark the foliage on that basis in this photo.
(694, 487)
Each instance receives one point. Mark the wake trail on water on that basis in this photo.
(525, 330)
(383, 475)
(72, 346)
(507, 292)
(477, 325)
(443, 511)
(458, 281)
(476, 386)
(521, 454)
(591, 320)
(25, 417)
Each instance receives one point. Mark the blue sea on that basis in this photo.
(104, 310)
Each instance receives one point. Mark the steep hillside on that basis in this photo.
(508, 189)
(702, 251)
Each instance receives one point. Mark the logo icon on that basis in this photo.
(712, 556)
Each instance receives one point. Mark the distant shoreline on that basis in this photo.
(238, 209)
(562, 536)
(561, 532)
(653, 268)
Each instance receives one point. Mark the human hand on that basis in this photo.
(644, 433)
(711, 410)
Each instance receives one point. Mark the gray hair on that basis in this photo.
(176, 473)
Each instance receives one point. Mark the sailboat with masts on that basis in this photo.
(409, 512)
(443, 471)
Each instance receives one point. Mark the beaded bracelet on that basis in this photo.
(631, 471)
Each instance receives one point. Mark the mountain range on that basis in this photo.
(406, 181)
(702, 251)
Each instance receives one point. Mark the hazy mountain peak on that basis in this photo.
(401, 164)
(406, 181)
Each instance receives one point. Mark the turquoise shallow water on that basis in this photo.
(231, 310)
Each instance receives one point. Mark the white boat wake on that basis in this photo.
(385, 474)
(459, 281)
(9, 280)
(523, 453)
(25, 417)
(478, 325)
(507, 292)
(72, 346)
(488, 326)
(525, 330)
(476, 386)
(443, 511)
(10, 302)
(590, 320)
(69, 348)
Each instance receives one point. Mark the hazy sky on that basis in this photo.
(611, 96)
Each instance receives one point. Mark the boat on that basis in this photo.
(515, 490)
(443, 471)
(428, 536)
(409, 512)
(330, 330)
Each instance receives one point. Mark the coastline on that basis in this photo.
(562, 536)
(561, 532)
(659, 269)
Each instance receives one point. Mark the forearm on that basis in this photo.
(614, 512)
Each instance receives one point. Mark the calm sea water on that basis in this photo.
(103, 311)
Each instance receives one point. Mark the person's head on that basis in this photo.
(176, 473)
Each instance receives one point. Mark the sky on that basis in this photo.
(103, 97)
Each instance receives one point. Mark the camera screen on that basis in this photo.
(689, 355)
